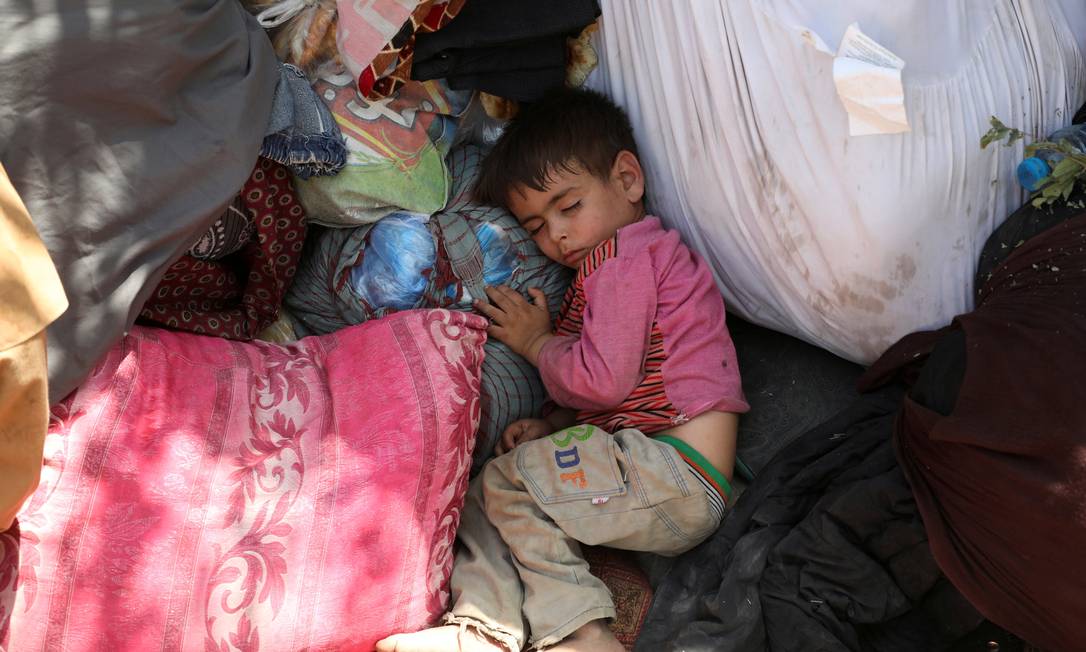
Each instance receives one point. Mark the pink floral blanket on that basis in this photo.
(203, 494)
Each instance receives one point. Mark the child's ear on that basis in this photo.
(628, 174)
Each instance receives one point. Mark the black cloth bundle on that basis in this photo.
(510, 48)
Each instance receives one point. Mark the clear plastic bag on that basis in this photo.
(399, 251)
(499, 253)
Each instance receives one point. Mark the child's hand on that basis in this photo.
(522, 326)
(521, 431)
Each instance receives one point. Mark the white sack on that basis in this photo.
(846, 242)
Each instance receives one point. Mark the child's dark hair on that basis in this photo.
(571, 130)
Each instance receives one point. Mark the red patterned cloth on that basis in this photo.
(240, 295)
(629, 587)
(202, 494)
(391, 68)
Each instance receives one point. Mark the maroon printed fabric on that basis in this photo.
(1001, 479)
(238, 296)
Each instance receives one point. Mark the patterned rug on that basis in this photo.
(629, 586)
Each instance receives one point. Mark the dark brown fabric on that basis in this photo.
(1001, 481)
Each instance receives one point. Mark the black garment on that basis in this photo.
(1017, 229)
(824, 551)
(940, 379)
(510, 48)
(536, 54)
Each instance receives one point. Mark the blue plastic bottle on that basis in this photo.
(1033, 170)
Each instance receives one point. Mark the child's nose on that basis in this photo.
(556, 229)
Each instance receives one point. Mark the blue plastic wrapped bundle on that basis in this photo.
(399, 253)
(499, 253)
(500, 257)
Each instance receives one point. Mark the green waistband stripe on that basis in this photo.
(688, 451)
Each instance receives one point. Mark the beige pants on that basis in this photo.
(24, 418)
(519, 570)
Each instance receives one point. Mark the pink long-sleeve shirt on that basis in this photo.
(641, 340)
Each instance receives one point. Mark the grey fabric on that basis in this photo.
(126, 126)
(791, 386)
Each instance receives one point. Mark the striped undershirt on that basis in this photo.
(716, 503)
(647, 408)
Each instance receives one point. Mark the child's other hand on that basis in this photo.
(521, 431)
(520, 325)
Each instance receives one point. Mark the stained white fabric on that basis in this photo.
(846, 242)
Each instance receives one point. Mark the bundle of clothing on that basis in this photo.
(332, 289)
(232, 281)
(949, 494)
(515, 49)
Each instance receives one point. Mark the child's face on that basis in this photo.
(578, 211)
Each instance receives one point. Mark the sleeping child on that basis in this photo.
(639, 450)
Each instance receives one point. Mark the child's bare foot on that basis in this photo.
(440, 639)
(595, 636)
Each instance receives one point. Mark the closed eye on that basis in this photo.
(572, 208)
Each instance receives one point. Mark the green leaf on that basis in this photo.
(1065, 167)
(998, 131)
(1067, 191)
(1039, 202)
(1053, 189)
(1036, 145)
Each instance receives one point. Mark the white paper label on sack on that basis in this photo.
(868, 80)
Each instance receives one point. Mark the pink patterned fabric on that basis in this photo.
(365, 26)
(205, 494)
